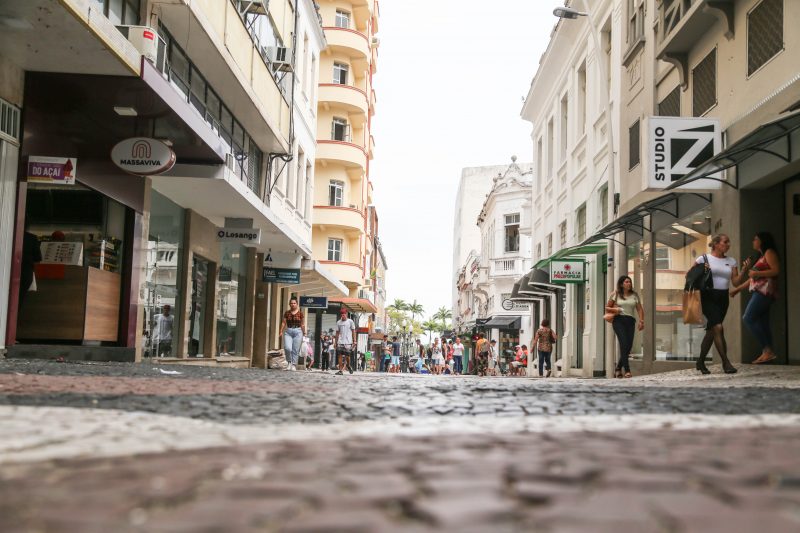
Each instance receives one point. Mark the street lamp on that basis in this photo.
(571, 14)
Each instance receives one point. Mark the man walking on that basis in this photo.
(162, 332)
(345, 334)
(394, 367)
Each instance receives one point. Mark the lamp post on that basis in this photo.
(605, 73)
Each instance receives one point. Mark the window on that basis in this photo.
(764, 34)
(335, 193)
(551, 141)
(340, 130)
(342, 19)
(562, 230)
(581, 100)
(662, 258)
(309, 186)
(633, 145)
(512, 233)
(562, 129)
(704, 84)
(301, 180)
(340, 71)
(604, 206)
(670, 106)
(539, 165)
(120, 11)
(538, 251)
(581, 223)
(635, 21)
(335, 250)
(549, 244)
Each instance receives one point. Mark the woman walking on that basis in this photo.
(625, 305)
(763, 283)
(724, 272)
(543, 342)
(293, 329)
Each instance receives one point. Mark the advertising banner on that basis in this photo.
(675, 146)
(314, 302)
(52, 170)
(283, 276)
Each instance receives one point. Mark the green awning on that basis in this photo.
(580, 249)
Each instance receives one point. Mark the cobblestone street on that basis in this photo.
(115, 447)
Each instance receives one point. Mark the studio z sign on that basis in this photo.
(143, 156)
(675, 146)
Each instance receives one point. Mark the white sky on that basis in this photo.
(451, 78)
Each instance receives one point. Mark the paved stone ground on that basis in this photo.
(115, 447)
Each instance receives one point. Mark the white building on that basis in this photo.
(566, 105)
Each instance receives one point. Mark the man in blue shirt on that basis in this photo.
(394, 366)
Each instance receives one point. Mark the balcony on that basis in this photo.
(367, 295)
(371, 152)
(682, 23)
(352, 43)
(351, 219)
(506, 267)
(344, 153)
(350, 274)
(353, 99)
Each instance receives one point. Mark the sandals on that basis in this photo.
(628, 375)
(618, 373)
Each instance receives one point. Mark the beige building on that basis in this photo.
(342, 188)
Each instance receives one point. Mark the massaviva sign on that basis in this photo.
(675, 146)
(143, 156)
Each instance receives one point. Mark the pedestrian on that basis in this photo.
(543, 343)
(625, 305)
(482, 351)
(493, 362)
(762, 280)
(724, 272)
(449, 356)
(458, 356)
(395, 361)
(438, 357)
(293, 329)
(162, 332)
(345, 335)
(324, 360)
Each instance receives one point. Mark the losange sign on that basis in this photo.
(239, 235)
(143, 156)
(675, 146)
(567, 271)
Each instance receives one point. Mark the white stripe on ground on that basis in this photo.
(43, 433)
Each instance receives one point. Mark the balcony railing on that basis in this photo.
(506, 267)
(670, 14)
(367, 295)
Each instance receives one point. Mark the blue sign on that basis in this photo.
(284, 276)
(314, 302)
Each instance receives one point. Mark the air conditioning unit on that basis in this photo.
(229, 162)
(375, 42)
(280, 57)
(145, 40)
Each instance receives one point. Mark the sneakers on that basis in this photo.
(350, 369)
(292, 368)
(339, 373)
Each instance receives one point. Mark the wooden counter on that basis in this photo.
(80, 305)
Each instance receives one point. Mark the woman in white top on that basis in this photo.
(724, 270)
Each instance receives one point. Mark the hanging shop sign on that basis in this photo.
(239, 235)
(52, 170)
(675, 146)
(567, 271)
(143, 156)
(511, 305)
(283, 276)
(282, 260)
(314, 302)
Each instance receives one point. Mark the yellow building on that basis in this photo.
(342, 191)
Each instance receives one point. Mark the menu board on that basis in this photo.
(62, 253)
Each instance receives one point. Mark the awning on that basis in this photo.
(316, 280)
(662, 211)
(539, 284)
(773, 138)
(503, 322)
(357, 305)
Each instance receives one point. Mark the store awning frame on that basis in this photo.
(503, 321)
(356, 305)
(634, 220)
(758, 141)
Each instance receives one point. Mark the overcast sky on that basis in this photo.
(451, 78)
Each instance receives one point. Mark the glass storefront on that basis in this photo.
(197, 312)
(231, 288)
(677, 247)
(162, 277)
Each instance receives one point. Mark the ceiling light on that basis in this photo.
(125, 111)
(697, 222)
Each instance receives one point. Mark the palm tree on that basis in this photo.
(398, 305)
(415, 309)
(430, 326)
(443, 314)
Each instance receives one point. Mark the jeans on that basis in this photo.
(459, 364)
(625, 329)
(544, 362)
(756, 318)
(292, 338)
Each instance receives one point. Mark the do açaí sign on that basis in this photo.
(675, 146)
(143, 156)
(569, 271)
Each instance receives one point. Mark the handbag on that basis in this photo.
(699, 277)
(552, 337)
(609, 316)
(692, 307)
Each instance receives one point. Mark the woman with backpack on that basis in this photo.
(624, 306)
(543, 340)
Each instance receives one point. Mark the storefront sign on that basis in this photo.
(314, 302)
(143, 156)
(282, 260)
(52, 170)
(284, 276)
(569, 271)
(511, 305)
(675, 146)
(240, 235)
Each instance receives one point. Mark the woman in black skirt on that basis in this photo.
(715, 301)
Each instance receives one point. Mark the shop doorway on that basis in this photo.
(792, 268)
(580, 317)
(197, 314)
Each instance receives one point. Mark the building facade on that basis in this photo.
(168, 262)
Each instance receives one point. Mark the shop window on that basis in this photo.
(633, 145)
(764, 34)
(704, 84)
(340, 71)
(231, 298)
(342, 19)
(335, 250)
(198, 306)
(512, 233)
(637, 254)
(670, 106)
(678, 247)
(335, 193)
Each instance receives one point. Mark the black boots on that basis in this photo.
(701, 365)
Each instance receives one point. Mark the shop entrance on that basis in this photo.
(580, 317)
(792, 268)
(197, 314)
